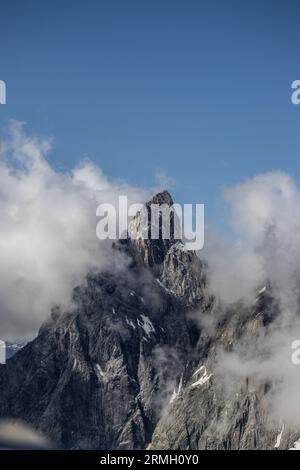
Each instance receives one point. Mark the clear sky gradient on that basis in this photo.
(199, 90)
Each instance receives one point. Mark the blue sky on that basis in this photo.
(199, 90)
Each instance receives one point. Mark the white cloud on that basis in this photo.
(47, 230)
(265, 218)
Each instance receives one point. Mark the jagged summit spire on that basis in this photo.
(163, 197)
(152, 250)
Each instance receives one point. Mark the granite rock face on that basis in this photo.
(217, 410)
(130, 365)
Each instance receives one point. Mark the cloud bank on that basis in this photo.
(264, 217)
(265, 247)
(47, 230)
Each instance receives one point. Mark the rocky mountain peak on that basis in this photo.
(180, 271)
(164, 197)
(147, 230)
(135, 363)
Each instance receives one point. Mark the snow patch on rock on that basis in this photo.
(278, 439)
(296, 445)
(99, 370)
(146, 324)
(130, 323)
(204, 377)
(177, 392)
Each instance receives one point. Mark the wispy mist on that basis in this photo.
(47, 229)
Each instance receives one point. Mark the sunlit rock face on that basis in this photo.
(144, 227)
